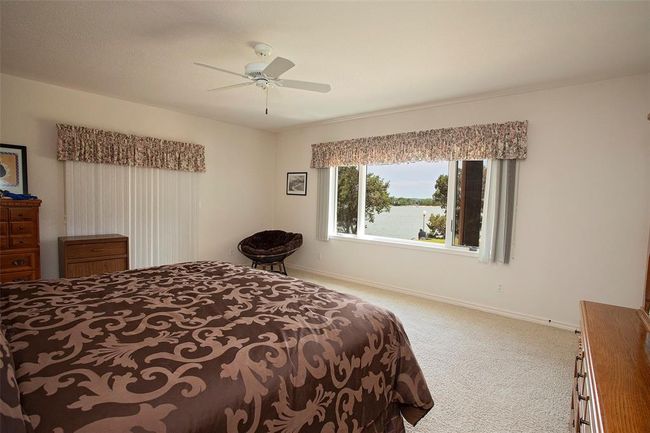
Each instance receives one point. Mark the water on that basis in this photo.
(402, 222)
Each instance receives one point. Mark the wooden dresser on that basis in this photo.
(81, 256)
(20, 254)
(611, 390)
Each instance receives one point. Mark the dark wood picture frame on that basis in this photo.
(22, 170)
(291, 188)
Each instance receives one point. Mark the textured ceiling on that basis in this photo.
(375, 55)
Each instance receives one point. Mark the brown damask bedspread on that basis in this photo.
(207, 347)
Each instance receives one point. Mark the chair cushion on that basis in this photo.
(270, 243)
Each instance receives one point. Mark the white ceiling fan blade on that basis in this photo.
(305, 85)
(234, 86)
(203, 65)
(277, 67)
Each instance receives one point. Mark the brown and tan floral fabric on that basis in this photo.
(491, 141)
(77, 143)
(12, 419)
(208, 347)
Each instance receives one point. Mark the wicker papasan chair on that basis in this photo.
(269, 248)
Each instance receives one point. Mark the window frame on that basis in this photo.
(362, 237)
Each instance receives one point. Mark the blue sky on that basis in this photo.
(416, 180)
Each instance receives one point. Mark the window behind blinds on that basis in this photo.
(157, 209)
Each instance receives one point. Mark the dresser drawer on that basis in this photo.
(12, 277)
(22, 228)
(4, 233)
(98, 249)
(23, 214)
(17, 262)
(19, 241)
(81, 256)
(83, 269)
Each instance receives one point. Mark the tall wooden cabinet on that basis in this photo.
(20, 254)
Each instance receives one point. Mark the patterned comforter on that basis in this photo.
(207, 347)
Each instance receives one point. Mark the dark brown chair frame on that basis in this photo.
(268, 262)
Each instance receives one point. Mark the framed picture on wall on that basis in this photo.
(13, 168)
(297, 183)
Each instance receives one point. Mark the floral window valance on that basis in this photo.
(491, 141)
(77, 143)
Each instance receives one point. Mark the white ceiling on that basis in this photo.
(375, 55)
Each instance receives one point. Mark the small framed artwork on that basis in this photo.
(297, 183)
(13, 168)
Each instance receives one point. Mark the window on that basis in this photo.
(468, 202)
(434, 203)
(401, 201)
(347, 199)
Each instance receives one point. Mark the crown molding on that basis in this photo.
(459, 100)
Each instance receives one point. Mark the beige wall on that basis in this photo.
(583, 207)
(582, 221)
(236, 191)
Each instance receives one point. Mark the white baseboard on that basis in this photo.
(432, 297)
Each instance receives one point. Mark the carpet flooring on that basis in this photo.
(487, 373)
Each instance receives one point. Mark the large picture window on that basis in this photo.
(423, 203)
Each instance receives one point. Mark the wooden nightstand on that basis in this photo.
(82, 256)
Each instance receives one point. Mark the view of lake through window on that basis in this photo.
(410, 201)
(412, 207)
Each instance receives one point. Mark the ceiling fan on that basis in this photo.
(265, 75)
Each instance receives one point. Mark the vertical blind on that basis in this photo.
(324, 205)
(498, 212)
(156, 208)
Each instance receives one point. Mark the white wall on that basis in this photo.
(236, 191)
(583, 209)
(584, 194)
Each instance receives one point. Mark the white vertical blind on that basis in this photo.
(156, 208)
(324, 203)
(498, 211)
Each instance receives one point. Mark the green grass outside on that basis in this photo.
(435, 241)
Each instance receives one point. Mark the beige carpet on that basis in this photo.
(487, 373)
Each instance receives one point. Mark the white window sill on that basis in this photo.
(406, 244)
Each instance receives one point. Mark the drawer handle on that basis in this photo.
(583, 397)
(583, 375)
(19, 262)
(584, 421)
(577, 332)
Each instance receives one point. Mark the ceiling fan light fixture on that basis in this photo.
(254, 70)
(265, 75)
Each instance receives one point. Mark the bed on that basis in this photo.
(204, 347)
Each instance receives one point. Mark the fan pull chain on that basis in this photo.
(267, 101)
